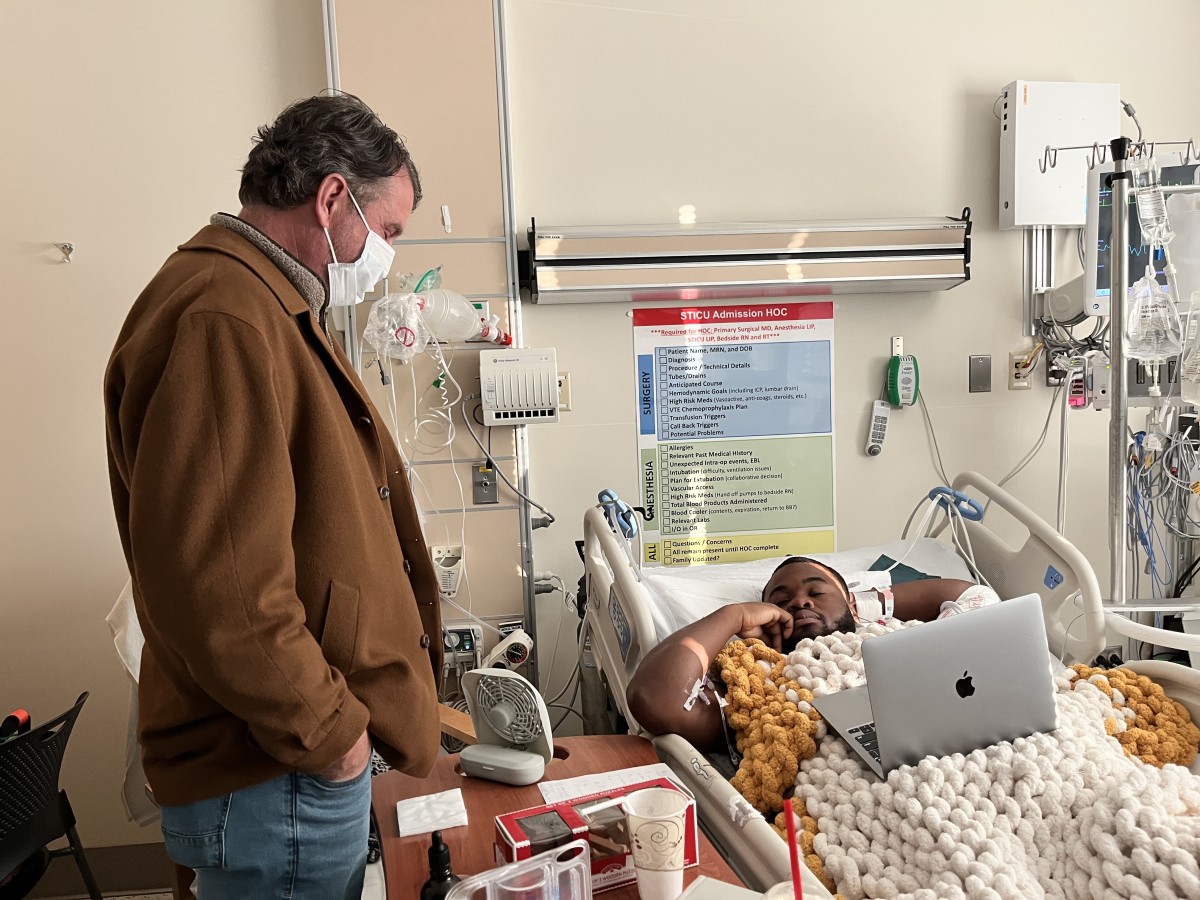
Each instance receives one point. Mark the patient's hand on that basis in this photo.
(765, 621)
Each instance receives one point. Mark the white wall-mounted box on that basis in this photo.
(1035, 115)
(519, 385)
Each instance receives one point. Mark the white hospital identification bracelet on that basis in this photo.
(889, 602)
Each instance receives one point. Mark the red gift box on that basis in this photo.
(528, 832)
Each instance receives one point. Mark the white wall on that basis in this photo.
(777, 109)
(125, 126)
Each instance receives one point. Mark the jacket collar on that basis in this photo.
(237, 244)
(295, 286)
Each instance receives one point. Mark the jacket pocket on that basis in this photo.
(194, 834)
(339, 638)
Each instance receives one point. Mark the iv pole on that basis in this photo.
(1118, 429)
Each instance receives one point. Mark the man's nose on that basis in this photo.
(800, 601)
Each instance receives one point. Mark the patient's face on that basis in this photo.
(814, 598)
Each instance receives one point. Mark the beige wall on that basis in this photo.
(781, 109)
(125, 126)
(440, 93)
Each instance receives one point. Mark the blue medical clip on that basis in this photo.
(964, 505)
(620, 516)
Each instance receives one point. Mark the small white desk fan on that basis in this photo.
(512, 728)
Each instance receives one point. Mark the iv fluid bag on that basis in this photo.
(1152, 329)
(1151, 205)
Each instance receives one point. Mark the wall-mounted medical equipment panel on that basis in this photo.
(520, 386)
(588, 264)
(1036, 119)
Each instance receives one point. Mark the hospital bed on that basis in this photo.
(628, 610)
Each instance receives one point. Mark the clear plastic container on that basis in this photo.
(1152, 329)
(564, 873)
(448, 315)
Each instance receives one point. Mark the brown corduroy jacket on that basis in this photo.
(281, 579)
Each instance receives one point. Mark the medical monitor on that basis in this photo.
(1098, 236)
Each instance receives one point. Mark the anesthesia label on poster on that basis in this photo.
(735, 431)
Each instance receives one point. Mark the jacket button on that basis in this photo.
(407, 567)
(364, 421)
(384, 492)
(425, 642)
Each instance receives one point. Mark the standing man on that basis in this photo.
(288, 601)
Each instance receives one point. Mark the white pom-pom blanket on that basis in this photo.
(1066, 814)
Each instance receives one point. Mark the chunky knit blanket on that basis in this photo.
(1072, 814)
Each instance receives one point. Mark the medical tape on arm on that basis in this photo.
(976, 596)
(697, 693)
(877, 608)
(703, 682)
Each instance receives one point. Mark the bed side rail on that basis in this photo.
(1047, 564)
(745, 840)
(617, 607)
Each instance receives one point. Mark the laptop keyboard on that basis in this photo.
(865, 735)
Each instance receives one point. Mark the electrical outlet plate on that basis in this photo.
(564, 391)
(1018, 375)
(483, 485)
(1113, 650)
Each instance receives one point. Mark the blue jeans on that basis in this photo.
(296, 837)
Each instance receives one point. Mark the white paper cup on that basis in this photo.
(781, 891)
(657, 820)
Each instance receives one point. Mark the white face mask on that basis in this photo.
(349, 282)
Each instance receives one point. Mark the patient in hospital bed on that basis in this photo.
(802, 599)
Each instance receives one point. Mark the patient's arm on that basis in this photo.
(922, 600)
(665, 678)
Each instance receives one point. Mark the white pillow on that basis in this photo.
(682, 595)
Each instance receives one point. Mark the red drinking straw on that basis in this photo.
(793, 850)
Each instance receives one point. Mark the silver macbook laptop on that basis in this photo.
(950, 686)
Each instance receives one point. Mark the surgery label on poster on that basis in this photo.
(735, 431)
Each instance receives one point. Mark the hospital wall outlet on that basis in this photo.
(1056, 368)
(564, 391)
(1020, 368)
(483, 485)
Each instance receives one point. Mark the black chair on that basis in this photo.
(33, 811)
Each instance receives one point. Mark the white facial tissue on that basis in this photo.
(433, 812)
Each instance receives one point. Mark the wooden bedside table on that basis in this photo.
(405, 863)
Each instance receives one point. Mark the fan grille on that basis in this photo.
(511, 708)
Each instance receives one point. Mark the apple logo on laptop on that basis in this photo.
(964, 686)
